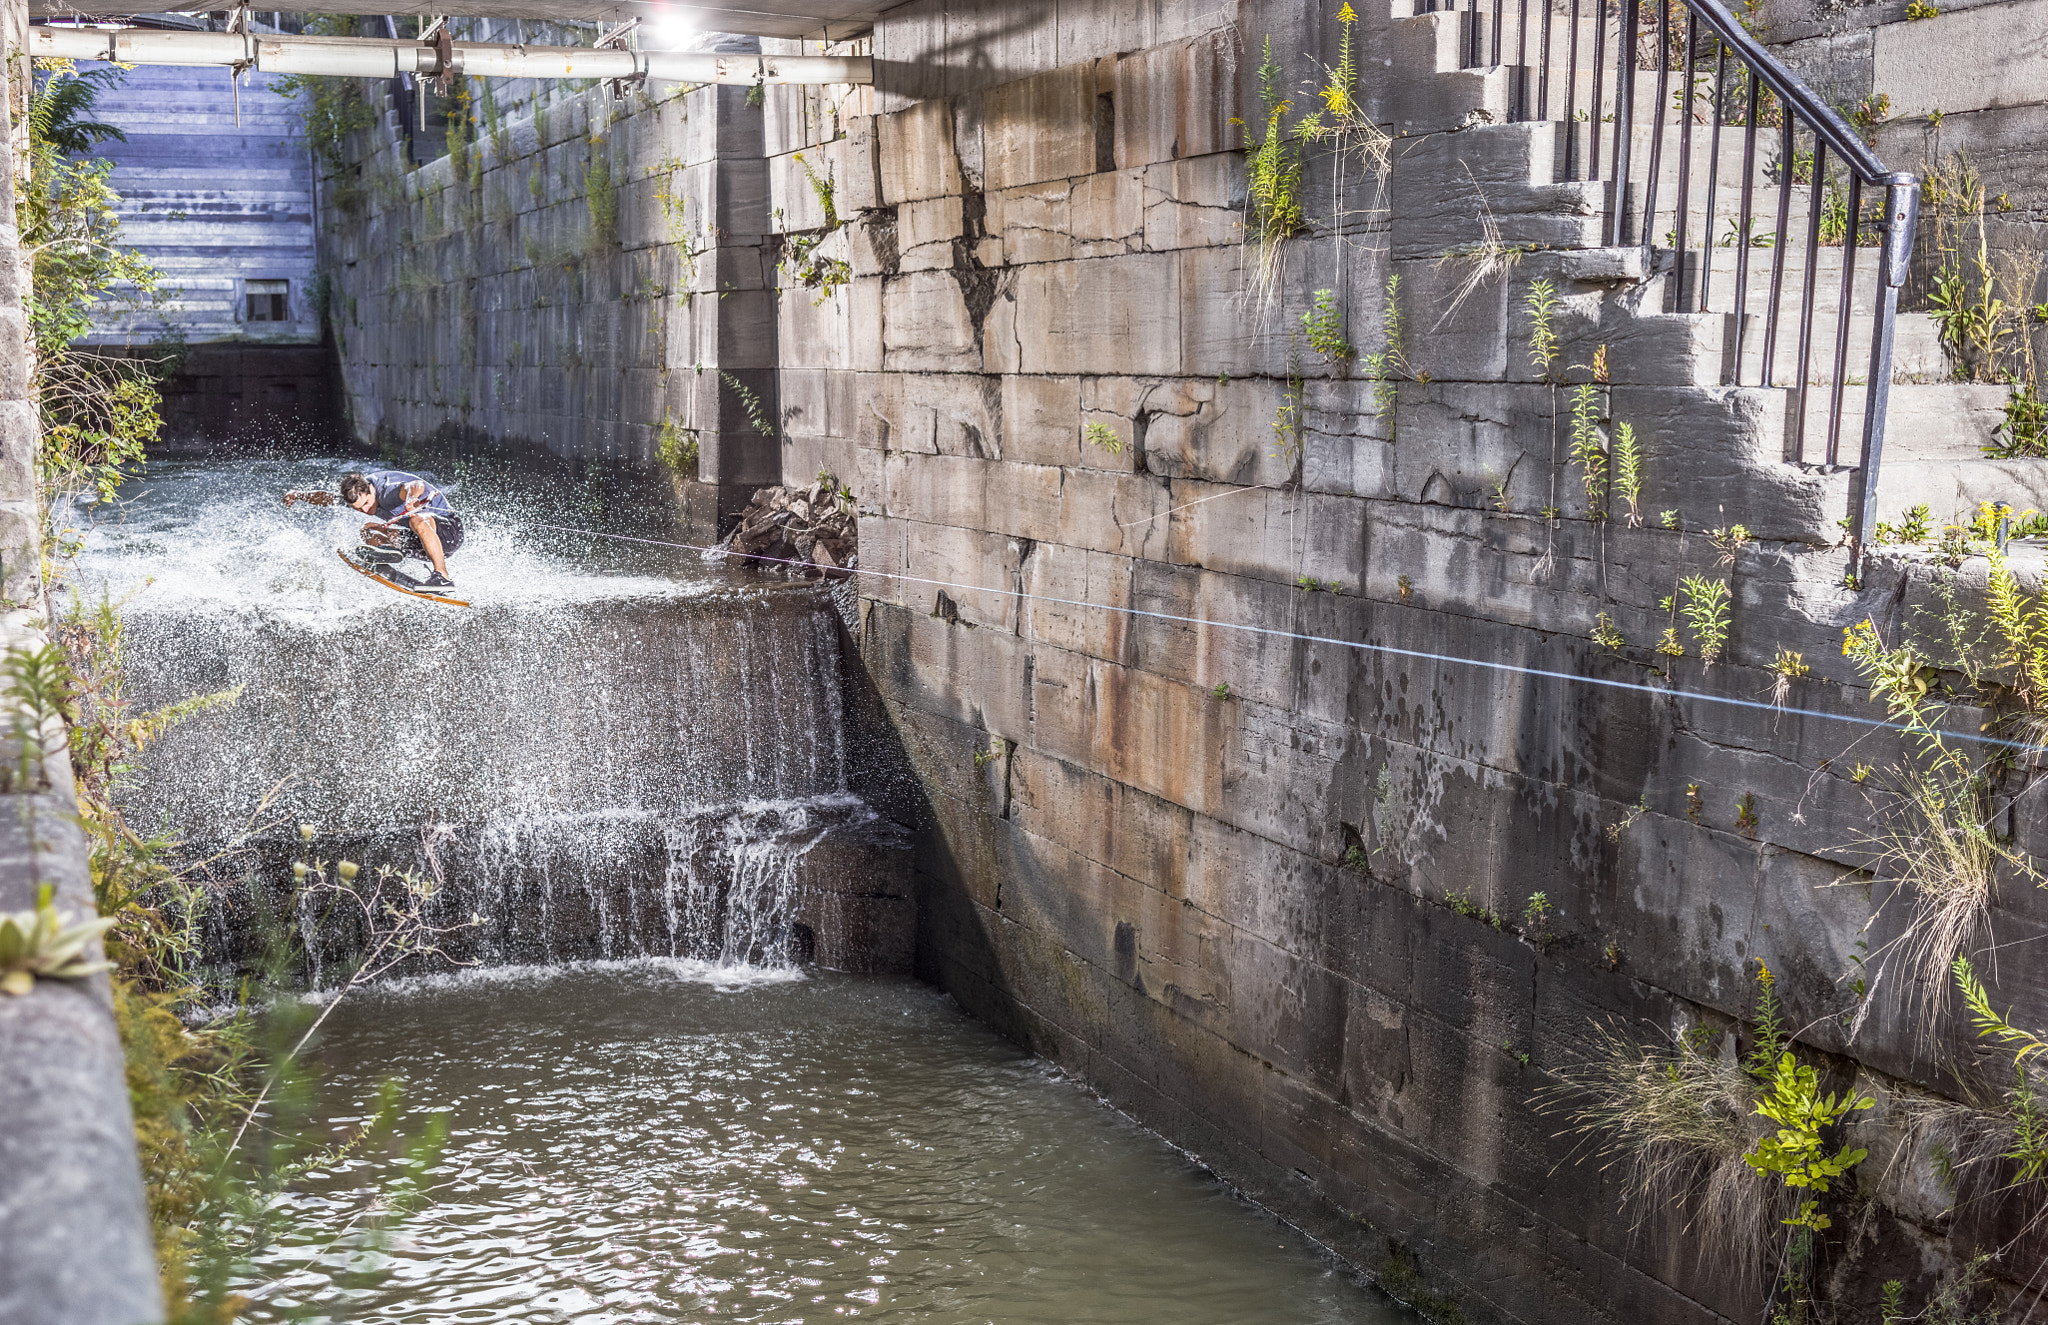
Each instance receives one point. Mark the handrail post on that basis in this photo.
(1624, 114)
(1895, 257)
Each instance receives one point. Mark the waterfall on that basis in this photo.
(648, 757)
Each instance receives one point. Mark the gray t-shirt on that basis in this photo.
(389, 486)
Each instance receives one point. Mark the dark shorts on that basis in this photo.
(449, 527)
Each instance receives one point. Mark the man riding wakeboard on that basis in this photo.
(413, 519)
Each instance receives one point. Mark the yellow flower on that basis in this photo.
(1347, 14)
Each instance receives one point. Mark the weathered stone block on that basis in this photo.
(1022, 500)
(1031, 222)
(1092, 588)
(1967, 59)
(925, 325)
(1078, 317)
(1176, 101)
(1120, 513)
(934, 489)
(917, 156)
(1272, 535)
(1194, 203)
(1041, 419)
(1041, 128)
(926, 231)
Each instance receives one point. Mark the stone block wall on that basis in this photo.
(582, 274)
(1951, 78)
(75, 1239)
(1257, 856)
(1266, 890)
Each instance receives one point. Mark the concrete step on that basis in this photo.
(1935, 436)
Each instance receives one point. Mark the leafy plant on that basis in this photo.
(677, 447)
(1588, 446)
(1668, 643)
(43, 943)
(330, 109)
(1706, 609)
(1324, 326)
(1545, 345)
(98, 411)
(1745, 814)
(757, 414)
(1314, 585)
(822, 190)
(1273, 164)
(1920, 9)
(803, 264)
(1605, 635)
(2023, 432)
(1729, 542)
(1288, 421)
(1672, 1116)
(1965, 297)
(1221, 690)
(39, 686)
(601, 198)
(1796, 1152)
(1786, 667)
(1628, 821)
(1628, 472)
(1104, 436)
(1390, 365)
(1936, 833)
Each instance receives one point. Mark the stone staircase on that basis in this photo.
(1645, 302)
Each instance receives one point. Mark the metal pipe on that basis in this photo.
(1842, 318)
(1815, 200)
(1713, 174)
(376, 57)
(1748, 208)
(1895, 254)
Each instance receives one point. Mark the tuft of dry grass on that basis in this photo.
(1676, 1120)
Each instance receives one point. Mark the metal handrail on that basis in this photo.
(1759, 79)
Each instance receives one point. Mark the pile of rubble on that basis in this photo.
(813, 525)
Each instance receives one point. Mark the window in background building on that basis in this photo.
(269, 301)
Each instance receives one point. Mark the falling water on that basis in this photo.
(615, 752)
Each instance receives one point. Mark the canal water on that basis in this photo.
(640, 776)
(661, 1140)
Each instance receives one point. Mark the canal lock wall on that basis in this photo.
(1272, 894)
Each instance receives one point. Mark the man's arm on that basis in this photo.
(310, 498)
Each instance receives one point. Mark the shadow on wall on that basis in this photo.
(944, 66)
(231, 398)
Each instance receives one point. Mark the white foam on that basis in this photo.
(723, 977)
(217, 537)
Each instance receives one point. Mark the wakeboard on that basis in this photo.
(393, 578)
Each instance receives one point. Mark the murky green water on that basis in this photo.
(652, 1141)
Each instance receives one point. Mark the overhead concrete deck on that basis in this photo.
(831, 20)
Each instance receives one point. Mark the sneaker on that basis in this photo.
(436, 580)
(379, 556)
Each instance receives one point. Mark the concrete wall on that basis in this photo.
(211, 203)
(75, 1246)
(584, 271)
(1968, 79)
(1241, 882)
(1148, 883)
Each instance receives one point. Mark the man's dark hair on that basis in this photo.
(354, 486)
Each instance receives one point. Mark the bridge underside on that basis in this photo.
(830, 20)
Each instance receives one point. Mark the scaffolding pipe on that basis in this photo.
(378, 57)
